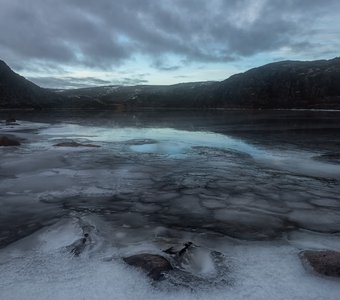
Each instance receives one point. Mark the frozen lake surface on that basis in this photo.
(249, 189)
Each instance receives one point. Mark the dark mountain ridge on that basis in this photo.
(281, 85)
(16, 92)
(285, 84)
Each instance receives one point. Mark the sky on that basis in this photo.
(78, 43)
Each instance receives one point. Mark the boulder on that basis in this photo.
(7, 141)
(154, 265)
(325, 262)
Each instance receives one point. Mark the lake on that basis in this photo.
(249, 189)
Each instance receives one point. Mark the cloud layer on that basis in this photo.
(168, 34)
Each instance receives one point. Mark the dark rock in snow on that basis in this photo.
(181, 252)
(6, 141)
(325, 262)
(154, 265)
(78, 246)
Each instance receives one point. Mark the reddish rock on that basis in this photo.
(154, 265)
(325, 262)
(6, 141)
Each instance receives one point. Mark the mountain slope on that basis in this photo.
(17, 92)
(286, 84)
(183, 95)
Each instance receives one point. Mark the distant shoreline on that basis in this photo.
(169, 109)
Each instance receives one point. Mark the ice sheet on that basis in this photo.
(147, 188)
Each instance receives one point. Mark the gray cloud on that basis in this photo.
(131, 81)
(68, 82)
(103, 34)
(163, 66)
(72, 82)
(181, 76)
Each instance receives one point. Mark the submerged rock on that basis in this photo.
(6, 141)
(11, 121)
(154, 265)
(74, 144)
(325, 262)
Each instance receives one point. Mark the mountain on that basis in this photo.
(17, 92)
(178, 96)
(286, 84)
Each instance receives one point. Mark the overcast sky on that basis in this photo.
(75, 43)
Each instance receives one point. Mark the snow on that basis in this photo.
(38, 267)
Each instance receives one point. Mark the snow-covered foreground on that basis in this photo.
(40, 267)
(248, 207)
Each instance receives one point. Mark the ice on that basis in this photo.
(176, 140)
(326, 202)
(199, 262)
(303, 166)
(305, 239)
(249, 207)
(247, 218)
(163, 148)
(38, 183)
(28, 162)
(213, 204)
(172, 141)
(188, 204)
(38, 267)
(319, 220)
(23, 126)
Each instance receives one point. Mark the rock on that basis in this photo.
(181, 252)
(78, 246)
(11, 121)
(325, 262)
(154, 265)
(75, 144)
(6, 141)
